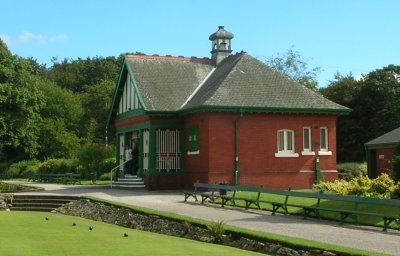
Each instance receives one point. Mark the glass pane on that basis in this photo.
(281, 141)
(323, 138)
(289, 141)
(306, 138)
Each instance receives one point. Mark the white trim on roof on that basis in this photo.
(198, 88)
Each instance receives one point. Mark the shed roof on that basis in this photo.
(389, 139)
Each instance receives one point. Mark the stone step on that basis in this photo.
(43, 203)
(43, 197)
(34, 205)
(38, 200)
(130, 186)
(130, 179)
(32, 209)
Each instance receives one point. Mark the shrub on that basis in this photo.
(381, 187)
(348, 171)
(59, 166)
(217, 231)
(95, 158)
(23, 169)
(340, 187)
(105, 176)
(358, 185)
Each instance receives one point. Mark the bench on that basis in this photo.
(353, 209)
(207, 191)
(314, 210)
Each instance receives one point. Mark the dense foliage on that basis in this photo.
(348, 171)
(53, 112)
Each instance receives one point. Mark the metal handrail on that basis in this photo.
(111, 172)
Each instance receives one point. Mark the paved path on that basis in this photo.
(366, 238)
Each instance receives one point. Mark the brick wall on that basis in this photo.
(257, 147)
(384, 157)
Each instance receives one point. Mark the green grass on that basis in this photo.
(98, 182)
(28, 233)
(285, 240)
(365, 220)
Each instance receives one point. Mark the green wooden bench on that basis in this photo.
(211, 191)
(314, 210)
(207, 191)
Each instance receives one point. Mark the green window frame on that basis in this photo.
(194, 139)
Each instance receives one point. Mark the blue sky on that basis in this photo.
(343, 36)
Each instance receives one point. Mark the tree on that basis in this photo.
(78, 75)
(375, 105)
(20, 103)
(96, 103)
(60, 130)
(293, 65)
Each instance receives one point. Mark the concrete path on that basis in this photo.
(365, 238)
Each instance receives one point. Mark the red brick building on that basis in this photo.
(227, 119)
(380, 152)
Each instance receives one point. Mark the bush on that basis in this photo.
(348, 171)
(105, 176)
(23, 169)
(59, 166)
(96, 158)
(381, 187)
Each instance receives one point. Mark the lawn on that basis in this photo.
(29, 233)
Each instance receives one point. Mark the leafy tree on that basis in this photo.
(96, 102)
(20, 103)
(295, 66)
(78, 75)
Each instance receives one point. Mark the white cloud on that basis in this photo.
(28, 37)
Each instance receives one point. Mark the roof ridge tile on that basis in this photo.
(204, 60)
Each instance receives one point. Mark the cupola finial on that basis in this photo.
(221, 44)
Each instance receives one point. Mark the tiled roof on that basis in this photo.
(165, 82)
(392, 137)
(243, 81)
(168, 83)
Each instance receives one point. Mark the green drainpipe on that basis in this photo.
(236, 172)
(317, 171)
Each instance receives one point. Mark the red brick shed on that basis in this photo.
(380, 153)
(228, 119)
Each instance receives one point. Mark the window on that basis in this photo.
(307, 142)
(194, 140)
(286, 144)
(324, 142)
